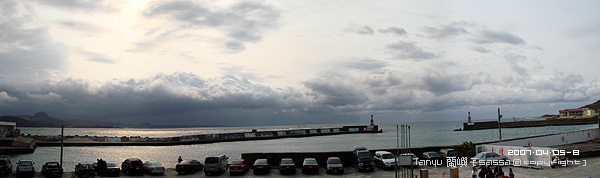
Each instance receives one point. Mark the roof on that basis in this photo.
(8, 123)
(571, 110)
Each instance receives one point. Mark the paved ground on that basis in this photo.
(589, 170)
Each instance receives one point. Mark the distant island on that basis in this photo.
(42, 119)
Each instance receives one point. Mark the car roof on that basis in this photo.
(238, 160)
(310, 159)
(286, 159)
(333, 158)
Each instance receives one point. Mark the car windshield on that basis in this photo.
(136, 163)
(52, 164)
(287, 161)
(87, 166)
(433, 154)
(237, 163)
(25, 163)
(334, 161)
(155, 164)
(479, 155)
(310, 161)
(261, 161)
(453, 153)
(211, 160)
(387, 156)
(363, 155)
(111, 165)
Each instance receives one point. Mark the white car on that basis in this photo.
(415, 160)
(384, 159)
(153, 167)
(487, 158)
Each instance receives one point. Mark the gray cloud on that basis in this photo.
(480, 49)
(101, 58)
(367, 64)
(242, 22)
(490, 36)
(513, 60)
(447, 31)
(80, 26)
(4, 97)
(27, 51)
(335, 93)
(394, 30)
(103, 5)
(409, 50)
(361, 30)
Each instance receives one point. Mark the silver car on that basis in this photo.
(25, 167)
(486, 158)
(334, 166)
(153, 167)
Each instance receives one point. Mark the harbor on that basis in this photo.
(253, 134)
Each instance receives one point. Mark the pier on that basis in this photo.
(201, 139)
(538, 123)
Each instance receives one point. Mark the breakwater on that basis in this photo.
(538, 123)
(201, 139)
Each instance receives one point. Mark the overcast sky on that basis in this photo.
(296, 62)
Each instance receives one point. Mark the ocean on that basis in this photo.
(422, 134)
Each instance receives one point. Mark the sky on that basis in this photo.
(239, 63)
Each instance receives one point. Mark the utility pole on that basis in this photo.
(397, 150)
(499, 127)
(62, 138)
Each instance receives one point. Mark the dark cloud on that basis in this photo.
(27, 50)
(394, 30)
(335, 93)
(242, 22)
(409, 50)
(447, 31)
(491, 36)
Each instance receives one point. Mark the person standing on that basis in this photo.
(179, 160)
(510, 173)
(474, 172)
(482, 172)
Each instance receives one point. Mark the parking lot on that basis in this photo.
(589, 170)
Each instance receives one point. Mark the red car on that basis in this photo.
(238, 166)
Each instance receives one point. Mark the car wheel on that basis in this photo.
(127, 172)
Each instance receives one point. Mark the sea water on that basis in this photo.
(421, 135)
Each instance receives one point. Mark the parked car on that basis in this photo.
(216, 164)
(448, 152)
(112, 169)
(154, 167)
(5, 167)
(385, 159)
(357, 149)
(310, 166)
(52, 169)
(486, 156)
(415, 160)
(287, 166)
(430, 155)
(188, 167)
(85, 170)
(364, 160)
(261, 166)
(132, 166)
(334, 166)
(238, 166)
(25, 167)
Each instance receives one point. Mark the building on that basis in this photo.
(7, 129)
(577, 112)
